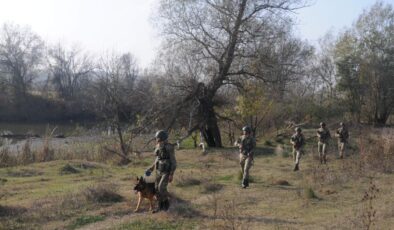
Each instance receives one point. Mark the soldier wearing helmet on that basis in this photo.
(342, 134)
(165, 165)
(298, 141)
(323, 135)
(246, 144)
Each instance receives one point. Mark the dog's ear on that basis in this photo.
(138, 178)
(141, 179)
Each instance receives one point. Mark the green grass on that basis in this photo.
(216, 201)
(155, 224)
(226, 178)
(310, 194)
(188, 143)
(84, 220)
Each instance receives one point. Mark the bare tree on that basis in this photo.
(222, 36)
(324, 66)
(114, 86)
(69, 68)
(21, 53)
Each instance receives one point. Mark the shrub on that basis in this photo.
(6, 211)
(309, 193)
(268, 143)
(210, 187)
(6, 158)
(47, 153)
(68, 169)
(103, 193)
(27, 155)
(187, 180)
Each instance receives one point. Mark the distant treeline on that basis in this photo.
(221, 65)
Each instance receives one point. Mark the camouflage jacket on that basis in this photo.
(246, 144)
(297, 140)
(342, 134)
(323, 134)
(165, 161)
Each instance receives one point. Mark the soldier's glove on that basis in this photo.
(148, 172)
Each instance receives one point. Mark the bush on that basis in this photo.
(268, 143)
(68, 169)
(6, 211)
(24, 173)
(187, 180)
(104, 193)
(47, 154)
(6, 158)
(27, 155)
(309, 193)
(210, 187)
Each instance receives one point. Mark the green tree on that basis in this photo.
(365, 63)
(253, 106)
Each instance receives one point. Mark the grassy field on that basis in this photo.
(206, 193)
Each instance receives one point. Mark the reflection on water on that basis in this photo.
(72, 131)
(42, 128)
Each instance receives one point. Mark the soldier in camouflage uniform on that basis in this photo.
(246, 144)
(298, 141)
(165, 165)
(324, 135)
(342, 134)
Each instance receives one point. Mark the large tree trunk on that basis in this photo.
(210, 129)
(380, 119)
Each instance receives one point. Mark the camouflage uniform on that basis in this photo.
(298, 141)
(324, 135)
(342, 134)
(165, 165)
(246, 145)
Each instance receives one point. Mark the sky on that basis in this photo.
(125, 25)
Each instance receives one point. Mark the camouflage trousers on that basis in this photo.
(341, 148)
(161, 184)
(297, 152)
(322, 149)
(246, 163)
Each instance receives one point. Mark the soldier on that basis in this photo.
(246, 144)
(324, 135)
(342, 134)
(298, 141)
(165, 165)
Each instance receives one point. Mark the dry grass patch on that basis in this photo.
(103, 193)
(9, 211)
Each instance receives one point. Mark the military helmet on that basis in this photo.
(298, 129)
(322, 124)
(247, 129)
(161, 135)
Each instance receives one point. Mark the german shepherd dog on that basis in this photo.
(145, 190)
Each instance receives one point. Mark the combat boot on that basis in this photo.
(296, 168)
(245, 183)
(166, 205)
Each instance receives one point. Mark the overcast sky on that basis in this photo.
(124, 25)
